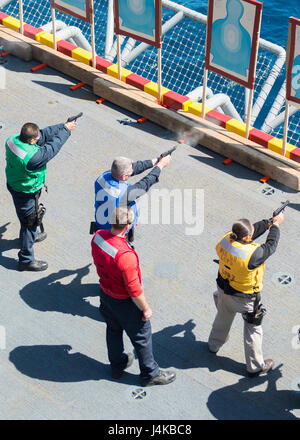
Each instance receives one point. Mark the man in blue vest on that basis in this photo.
(27, 154)
(112, 189)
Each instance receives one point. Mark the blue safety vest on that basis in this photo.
(108, 193)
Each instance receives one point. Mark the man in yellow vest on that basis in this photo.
(27, 154)
(239, 283)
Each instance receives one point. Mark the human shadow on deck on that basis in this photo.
(234, 169)
(176, 346)
(85, 93)
(56, 363)
(237, 402)
(48, 294)
(184, 351)
(295, 206)
(15, 64)
(6, 245)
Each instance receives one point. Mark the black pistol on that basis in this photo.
(74, 118)
(279, 210)
(166, 153)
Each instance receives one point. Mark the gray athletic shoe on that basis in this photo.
(163, 378)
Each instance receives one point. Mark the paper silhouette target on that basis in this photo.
(78, 8)
(139, 19)
(232, 36)
(293, 62)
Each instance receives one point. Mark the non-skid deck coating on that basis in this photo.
(54, 363)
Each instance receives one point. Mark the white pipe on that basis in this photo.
(114, 49)
(186, 11)
(75, 33)
(143, 46)
(280, 118)
(218, 102)
(69, 33)
(196, 94)
(58, 26)
(276, 69)
(275, 109)
(109, 29)
(129, 46)
(223, 101)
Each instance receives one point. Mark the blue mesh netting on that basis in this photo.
(183, 52)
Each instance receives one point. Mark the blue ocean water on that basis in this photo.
(80, 4)
(275, 17)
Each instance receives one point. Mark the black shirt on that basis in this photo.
(142, 186)
(51, 140)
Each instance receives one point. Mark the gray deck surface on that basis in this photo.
(54, 364)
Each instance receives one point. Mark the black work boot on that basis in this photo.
(116, 374)
(35, 266)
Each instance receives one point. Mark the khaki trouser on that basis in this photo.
(228, 306)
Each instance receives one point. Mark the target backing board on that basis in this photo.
(233, 28)
(139, 19)
(293, 63)
(81, 9)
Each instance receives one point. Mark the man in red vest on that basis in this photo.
(123, 303)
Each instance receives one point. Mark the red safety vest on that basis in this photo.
(106, 251)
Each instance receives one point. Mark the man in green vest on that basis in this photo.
(27, 154)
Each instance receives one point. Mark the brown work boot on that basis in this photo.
(269, 364)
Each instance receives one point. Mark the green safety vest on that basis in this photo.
(19, 178)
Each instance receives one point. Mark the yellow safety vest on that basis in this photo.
(234, 258)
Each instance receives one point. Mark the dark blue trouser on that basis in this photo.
(123, 314)
(25, 206)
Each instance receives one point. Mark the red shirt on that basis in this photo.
(128, 265)
(117, 265)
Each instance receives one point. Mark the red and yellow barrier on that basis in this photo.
(170, 99)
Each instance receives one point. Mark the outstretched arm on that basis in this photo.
(138, 189)
(47, 133)
(141, 187)
(142, 165)
(52, 139)
(260, 228)
(264, 251)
